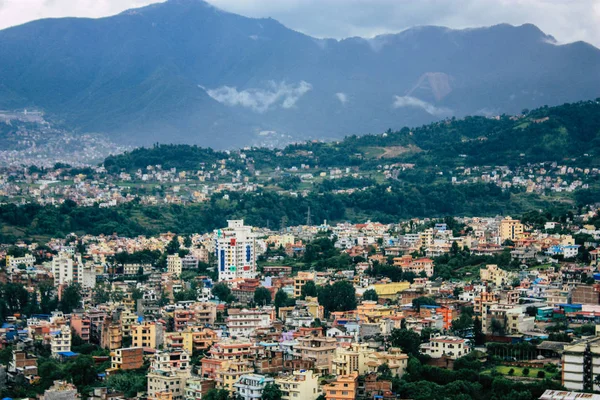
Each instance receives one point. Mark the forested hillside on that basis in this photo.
(569, 131)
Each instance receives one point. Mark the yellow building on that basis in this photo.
(128, 318)
(393, 358)
(370, 311)
(510, 229)
(299, 385)
(390, 291)
(147, 335)
(494, 275)
(300, 280)
(349, 360)
(313, 307)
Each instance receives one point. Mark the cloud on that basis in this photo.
(409, 101)
(566, 20)
(261, 100)
(342, 97)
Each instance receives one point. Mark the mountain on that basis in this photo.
(184, 71)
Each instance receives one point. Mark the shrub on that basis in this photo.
(541, 374)
(525, 371)
(511, 371)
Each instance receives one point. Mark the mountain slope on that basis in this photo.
(184, 71)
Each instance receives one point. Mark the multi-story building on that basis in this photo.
(127, 358)
(343, 388)
(510, 229)
(235, 248)
(586, 294)
(196, 388)
(65, 270)
(197, 314)
(60, 341)
(320, 350)
(147, 335)
(393, 358)
(23, 363)
(450, 346)
(245, 322)
(111, 334)
(13, 263)
(168, 374)
(348, 360)
(251, 386)
(227, 360)
(174, 264)
(581, 364)
(128, 318)
(300, 280)
(494, 275)
(299, 385)
(191, 339)
(81, 325)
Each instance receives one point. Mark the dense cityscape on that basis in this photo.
(299, 200)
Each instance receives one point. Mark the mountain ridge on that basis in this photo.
(185, 71)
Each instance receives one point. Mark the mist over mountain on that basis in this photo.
(185, 71)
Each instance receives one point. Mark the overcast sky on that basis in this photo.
(566, 20)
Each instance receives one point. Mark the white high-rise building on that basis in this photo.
(66, 270)
(235, 248)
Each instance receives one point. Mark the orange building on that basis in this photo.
(343, 388)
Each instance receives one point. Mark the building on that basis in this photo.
(235, 248)
(510, 229)
(196, 388)
(61, 390)
(581, 364)
(226, 361)
(13, 263)
(586, 294)
(300, 280)
(81, 325)
(65, 270)
(147, 335)
(127, 358)
(168, 374)
(167, 384)
(320, 350)
(245, 322)
(343, 388)
(23, 363)
(174, 265)
(60, 341)
(449, 346)
(250, 386)
(348, 360)
(111, 335)
(494, 275)
(299, 385)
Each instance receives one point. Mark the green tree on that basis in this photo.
(272, 392)
(341, 296)
(422, 301)
(281, 299)
(187, 241)
(309, 289)
(216, 394)
(525, 371)
(71, 298)
(262, 296)
(173, 246)
(222, 292)
(370, 294)
(408, 341)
